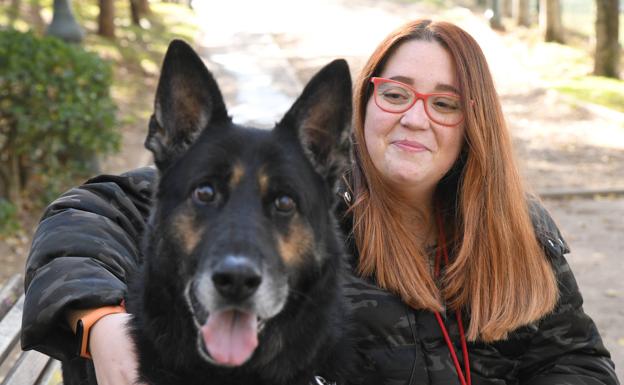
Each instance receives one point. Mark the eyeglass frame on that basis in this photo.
(375, 80)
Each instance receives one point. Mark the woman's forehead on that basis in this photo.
(421, 63)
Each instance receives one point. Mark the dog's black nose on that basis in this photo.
(236, 278)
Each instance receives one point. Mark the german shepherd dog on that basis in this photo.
(240, 282)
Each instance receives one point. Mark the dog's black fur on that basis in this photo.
(242, 219)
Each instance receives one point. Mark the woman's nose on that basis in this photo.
(416, 117)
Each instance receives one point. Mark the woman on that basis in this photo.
(434, 180)
(460, 278)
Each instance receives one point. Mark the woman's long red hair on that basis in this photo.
(499, 274)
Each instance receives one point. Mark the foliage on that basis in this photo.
(56, 112)
(9, 223)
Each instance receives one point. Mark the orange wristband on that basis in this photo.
(83, 327)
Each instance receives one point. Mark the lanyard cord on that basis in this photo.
(463, 379)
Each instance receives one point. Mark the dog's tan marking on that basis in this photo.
(186, 230)
(263, 181)
(296, 244)
(237, 175)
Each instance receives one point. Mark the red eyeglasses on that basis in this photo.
(395, 97)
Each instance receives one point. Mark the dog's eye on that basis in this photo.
(204, 194)
(284, 203)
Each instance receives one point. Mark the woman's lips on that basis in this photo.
(410, 145)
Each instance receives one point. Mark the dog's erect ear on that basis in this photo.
(321, 117)
(187, 100)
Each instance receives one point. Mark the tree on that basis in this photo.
(138, 9)
(106, 19)
(521, 12)
(550, 20)
(495, 20)
(135, 12)
(607, 57)
(144, 8)
(35, 14)
(507, 8)
(14, 11)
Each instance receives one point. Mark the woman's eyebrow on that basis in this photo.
(446, 87)
(403, 79)
(439, 87)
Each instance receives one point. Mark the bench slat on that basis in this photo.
(27, 369)
(31, 367)
(10, 327)
(9, 294)
(52, 374)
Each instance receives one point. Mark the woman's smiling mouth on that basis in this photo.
(410, 145)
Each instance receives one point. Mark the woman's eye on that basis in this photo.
(204, 194)
(445, 104)
(284, 204)
(395, 96)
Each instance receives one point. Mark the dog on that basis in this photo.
(242, 258)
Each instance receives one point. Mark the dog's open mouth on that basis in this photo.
(230, 336)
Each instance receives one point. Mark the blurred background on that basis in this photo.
(77, 81)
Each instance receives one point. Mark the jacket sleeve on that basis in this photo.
(565, 346)
(82, 252)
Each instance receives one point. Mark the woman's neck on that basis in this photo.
(420, 216)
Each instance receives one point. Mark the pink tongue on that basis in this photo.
(231, 336)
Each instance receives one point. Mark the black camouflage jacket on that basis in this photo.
(89, 238)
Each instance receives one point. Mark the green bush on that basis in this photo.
(56, 113)
(9, 223)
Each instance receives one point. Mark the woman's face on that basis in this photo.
(410, 150)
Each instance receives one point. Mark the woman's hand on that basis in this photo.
(113, 351)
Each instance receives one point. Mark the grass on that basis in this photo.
(594, 89)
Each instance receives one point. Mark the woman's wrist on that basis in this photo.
(81, 322)
(73, 316)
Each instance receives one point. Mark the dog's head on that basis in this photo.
(242, 225)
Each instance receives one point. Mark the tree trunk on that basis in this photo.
(495, 21)
(606, 61)
(14, 11)
(9, 163)
(550, 20)
(522, 13)
(106, 19)
(144, 8)
(135, 12)
(4, 181)
(507, 8)
(13, 189)
(35, 14)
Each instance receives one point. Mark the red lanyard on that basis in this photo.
(463, 379)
